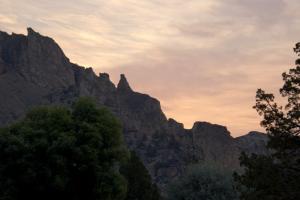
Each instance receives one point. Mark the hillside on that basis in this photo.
(35, 71)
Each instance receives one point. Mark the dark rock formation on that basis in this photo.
(123, 85)
(252, 142)
(216, 144)
(34, 71)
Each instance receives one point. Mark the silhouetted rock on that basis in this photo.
(216, 144)
(123, 85)
(252, 142)
(34, 71)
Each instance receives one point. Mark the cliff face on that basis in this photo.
(34, 71)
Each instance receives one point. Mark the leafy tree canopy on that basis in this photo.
(61, 153)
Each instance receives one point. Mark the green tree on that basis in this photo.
(276, 176)
(140, 186)
(203, 182)
(61, 153)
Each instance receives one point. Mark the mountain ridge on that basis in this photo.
(35, 71)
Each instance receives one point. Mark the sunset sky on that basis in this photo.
(203, 59)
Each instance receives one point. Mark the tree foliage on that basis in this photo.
(61, 153)
(276, 176)
(140, 186)
(203, 183)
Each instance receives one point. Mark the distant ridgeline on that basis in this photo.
(34, 71)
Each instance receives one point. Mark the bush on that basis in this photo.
(203, 182)
(140, 186)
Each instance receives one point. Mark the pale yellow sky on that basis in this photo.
(203, 60)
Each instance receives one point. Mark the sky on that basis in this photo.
(203, 59)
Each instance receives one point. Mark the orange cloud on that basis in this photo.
(203, 59)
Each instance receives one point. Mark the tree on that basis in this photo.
(276, 176)
(140, 186)
(202, 182)
(61, 153)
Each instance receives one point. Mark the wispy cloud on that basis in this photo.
(203, 59)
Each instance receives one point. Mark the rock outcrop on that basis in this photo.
(252, 143)
(34, 71)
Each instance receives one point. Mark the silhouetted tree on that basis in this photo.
(140, 186)
(276, 176)
(60, 153)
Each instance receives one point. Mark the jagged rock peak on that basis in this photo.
(3, 34)
(32, 34)
(200, 124)
(30, 31)
(123, 84)
(104, 76)
(37, 58)
(211, 128)
(173, 123)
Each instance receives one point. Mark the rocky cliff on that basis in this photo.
(34, 71)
